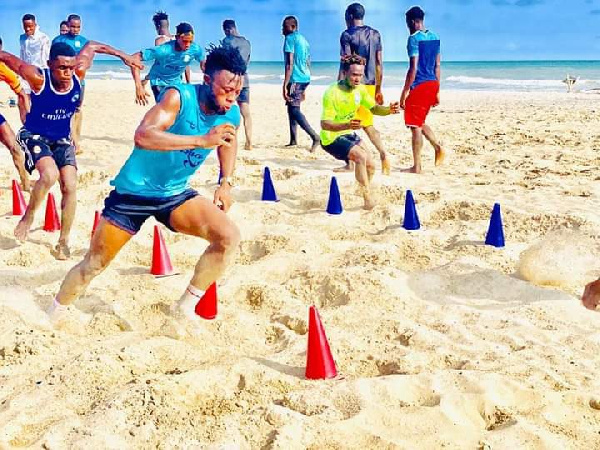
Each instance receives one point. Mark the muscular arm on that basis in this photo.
(410, 76)
(330, 125)
(379, 110)
(33, 75)
(86, 56)
(378, 70)
(227, 155)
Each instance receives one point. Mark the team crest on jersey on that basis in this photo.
(77, 44)
(75, 98)
(186, 58)
(357, 98)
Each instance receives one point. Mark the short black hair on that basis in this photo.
(353, 59)
(61, 49)
(73, 17)
(229, 24)
(0, 41)
(415, 13)
(28, 17)
(293, 19)
(355, 11)
(224, 57)
(184, 28)
(158, 16)
(64, 22)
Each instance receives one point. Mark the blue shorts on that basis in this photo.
(2, 119)
(296, 93)
(244, 96)
(37, 147)
(129, 212)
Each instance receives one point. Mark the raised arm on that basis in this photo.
(152, 132)
(86, 56)
(32, 74)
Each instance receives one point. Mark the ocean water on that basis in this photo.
(475, 75)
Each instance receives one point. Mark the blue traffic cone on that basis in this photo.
(334, 205)
(411, 218)
(268, 193)
(495, 234)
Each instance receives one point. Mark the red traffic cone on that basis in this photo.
(319, 362)
(161, 263)
(96, 220)
(207, 305)
(51, 222)
(19, 205)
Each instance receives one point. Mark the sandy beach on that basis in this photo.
(440, 341)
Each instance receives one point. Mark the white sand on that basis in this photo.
(440, 341)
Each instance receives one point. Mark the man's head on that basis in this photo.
(414, 18)
(354, 69)
(64, 27)
(185, 36)
(224, 74)
(62, 61)
(355, 11)
(161, 21)
(229, 27)
(290, 24)
(74, 22)
(29, 24)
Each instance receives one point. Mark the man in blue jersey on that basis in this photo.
(422, 86)
(45, 136)
(296, 53)
(76, 41)
(171, 143)
(170, 61)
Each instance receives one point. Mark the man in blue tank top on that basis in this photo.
(172, 141)
(46, 134)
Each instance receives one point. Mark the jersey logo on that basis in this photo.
(191, 124)
(75, 98)
(193, 159)
(186, 58)
(77, 44)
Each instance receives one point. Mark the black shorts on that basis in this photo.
(129, 212)
(296, 93)
(37, 147)
(244, 96)
(342, 145)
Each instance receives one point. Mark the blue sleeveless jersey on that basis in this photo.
(160, 174)
(51, 111)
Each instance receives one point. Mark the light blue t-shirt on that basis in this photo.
(161, 174)
(298, 45)
(425, 45)
(169, 63)
(75, 42)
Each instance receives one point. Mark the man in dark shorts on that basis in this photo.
(46, 134)
(422, 87)
(296, 53)
(341, 103)
(173, 140)
(362, 40)
(233, 38)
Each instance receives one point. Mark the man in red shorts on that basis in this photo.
(422, 87)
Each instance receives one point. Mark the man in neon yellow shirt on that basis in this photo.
(341, 103)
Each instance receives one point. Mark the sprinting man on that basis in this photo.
(7, 135)
(170, 60)
(365, 41)
(45, 136)
(339, 120)
(35, 50)
(296, 53)
(422, 87)
(171, 143)
(76, 41)
(64, 28)
(233, 38)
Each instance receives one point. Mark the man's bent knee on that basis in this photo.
(48, 177)
(228, 238)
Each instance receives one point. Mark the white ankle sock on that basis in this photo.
(55, 310)
(187, 302)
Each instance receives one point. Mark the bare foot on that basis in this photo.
(78, 151)
(386, 166)
(347, 168)
(412, 169)
(248, 146)
(315, 146)
(440, 155)
(63, 252)
(22, 228)
(369, 204)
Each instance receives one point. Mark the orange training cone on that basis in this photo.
(207, 305)
(51, 221)
(161, 263)
(19, 205)
(96, 220)
(319, 362)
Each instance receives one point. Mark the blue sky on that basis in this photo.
(469, 29)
